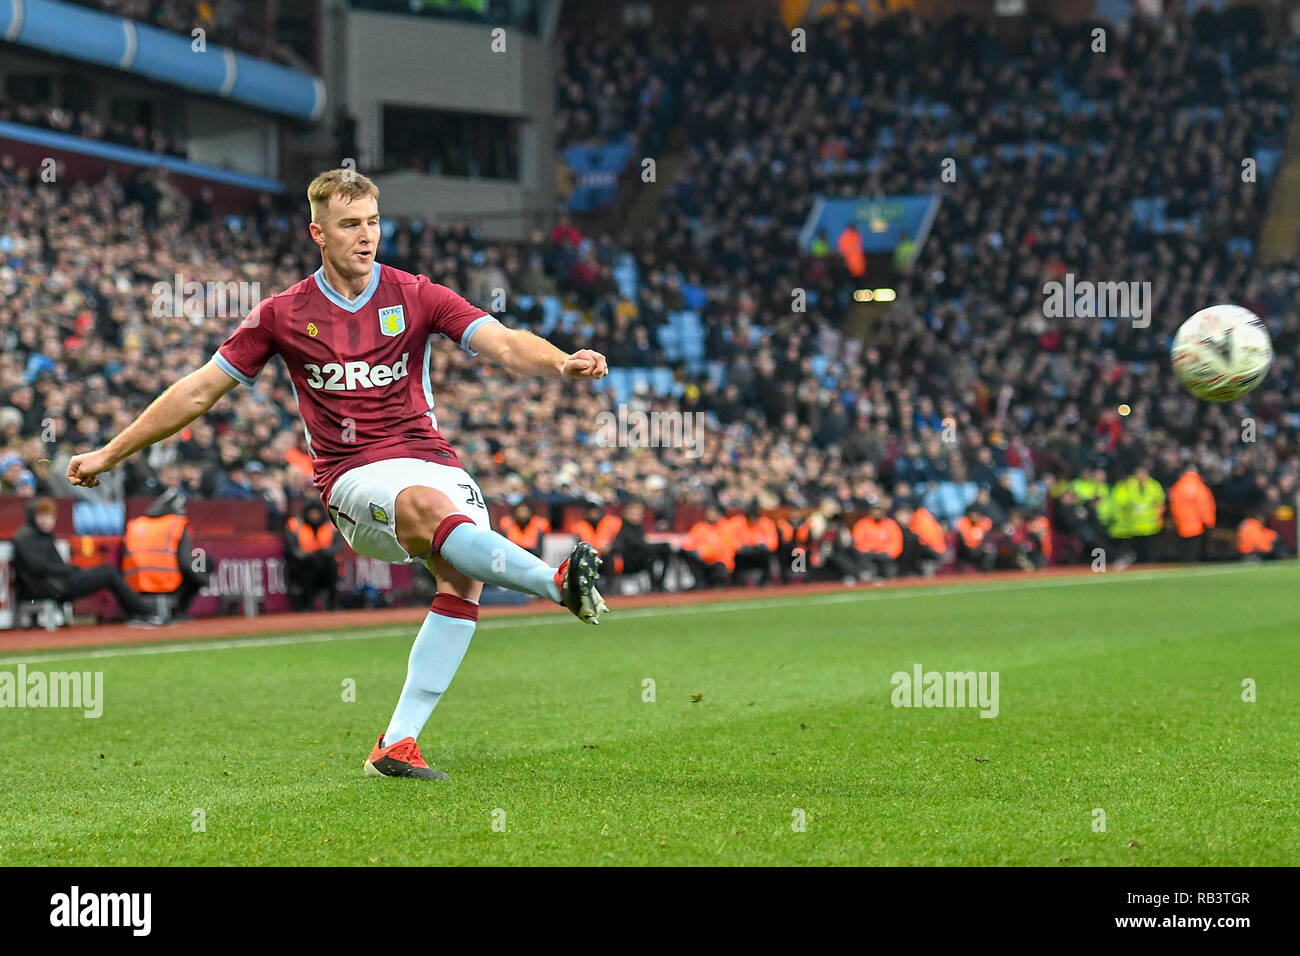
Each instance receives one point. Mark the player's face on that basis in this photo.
(349, 235)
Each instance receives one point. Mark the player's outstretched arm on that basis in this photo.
(523, 353)
(171, 411)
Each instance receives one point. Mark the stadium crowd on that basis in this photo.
(612, 87)
(86, 125)
(817, 445)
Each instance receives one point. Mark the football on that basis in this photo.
(1222, 353)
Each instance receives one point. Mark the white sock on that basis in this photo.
(435, 656)
(486, 556)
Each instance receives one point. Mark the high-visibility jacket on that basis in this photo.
(1086, 489)
(1254, 538)
(850, 246)
(973, 532)
(785, 530)
(151, 564)
(733, 532)
(928, 531)
(311, 539)
(1137, 508)
(1041, 527)
(761, 533)
(714, 543)
(1098, 492)
(803, 540)
(874, 537)
(737, 528)
(529, 537)
(601, 536)
(1191, 505)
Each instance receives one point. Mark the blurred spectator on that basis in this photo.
(1255, 540)
(757, 543)
(631, 553)
(1138, 509)
(525, 528)
(595, 526)
(311, 565)
(41, 571)
(924, 545)
(975, 544)
(879, 540)
(1021, 544)
(1191, 508)
(157, 558)
(850, 247)
(710, 549)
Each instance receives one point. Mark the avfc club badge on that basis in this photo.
(378, 513)
(392, 321)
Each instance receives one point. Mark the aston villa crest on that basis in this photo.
(392, 321)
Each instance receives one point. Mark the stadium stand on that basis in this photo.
(239, 24)
(960, 393)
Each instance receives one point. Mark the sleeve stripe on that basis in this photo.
(224, 364)
(470, 329)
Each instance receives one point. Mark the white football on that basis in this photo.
(1222, 353)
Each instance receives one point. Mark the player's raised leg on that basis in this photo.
(435, 656)
(429, 524)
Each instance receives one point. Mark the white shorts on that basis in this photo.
(363, 502)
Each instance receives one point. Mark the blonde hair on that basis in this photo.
(347, 184)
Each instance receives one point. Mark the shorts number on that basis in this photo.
(473, 498)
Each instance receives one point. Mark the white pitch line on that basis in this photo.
(144, 650)
(505, 623)
(868, 592)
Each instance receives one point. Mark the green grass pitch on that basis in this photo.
(1119, 693)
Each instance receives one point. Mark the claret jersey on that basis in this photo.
(359, 367)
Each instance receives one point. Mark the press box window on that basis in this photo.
(444, 143)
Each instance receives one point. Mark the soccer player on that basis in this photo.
(357, 337)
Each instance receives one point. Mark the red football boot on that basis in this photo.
(401, 759)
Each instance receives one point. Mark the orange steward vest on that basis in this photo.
(311, 539)
(151, 565)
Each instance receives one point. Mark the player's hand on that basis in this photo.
(83, 468)
(585, 363)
